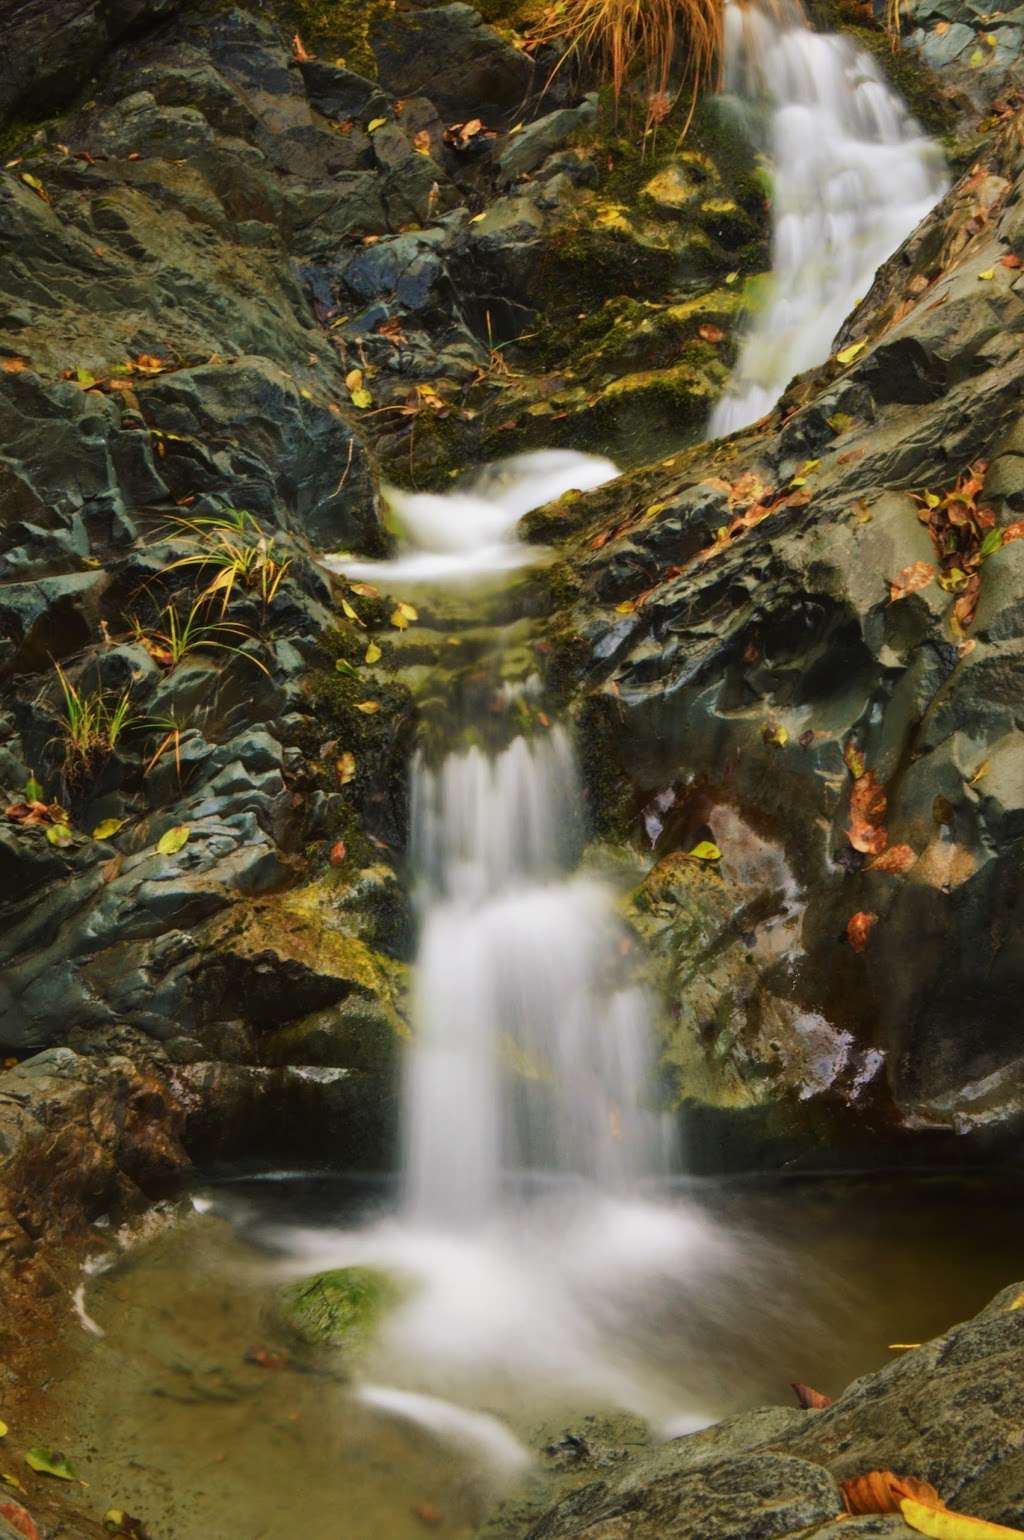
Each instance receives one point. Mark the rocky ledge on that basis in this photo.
(948, 1413)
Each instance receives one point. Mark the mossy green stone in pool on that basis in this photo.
(342, 1308)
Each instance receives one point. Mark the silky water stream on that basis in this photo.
(553, 1269)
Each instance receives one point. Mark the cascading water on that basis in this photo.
(852, 177)
(540, 1266)
(528, 1053)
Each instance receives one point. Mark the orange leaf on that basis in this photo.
(918, 575)
(858, 931)
(299, 50)
(19, 1519)
(1010, 260)
(897, 859)
(810, 1400)
(338, 853)
(867, 810)
(880, 1491)
(14, 365)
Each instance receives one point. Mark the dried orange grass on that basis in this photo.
(639, 38)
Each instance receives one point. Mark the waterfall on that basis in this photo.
(852, 177)
(529, 1054)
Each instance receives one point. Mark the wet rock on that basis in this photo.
(341, 93)
(528, 149)
(448, 54)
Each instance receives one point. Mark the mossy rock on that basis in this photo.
(342, 1308)
(338, 30)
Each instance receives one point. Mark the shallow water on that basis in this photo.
(164, 1416)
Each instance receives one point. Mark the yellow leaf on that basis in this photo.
(350, 613)
(4, 1430)
(941, 1524)
(11, 1481)
(776, 734)
(346, 768)
(849, 354)
(902, 1347)
(409, 610)
(731, 277)
(626, 607)
(977, 59)
(1016, 1304)
(988, 274)
(807, 467)
(374, 124)
(368, 707)
(705, 851)
(354, 380)
(399, 621)
(365, 590)
(361, 398)
(477, 218)
(108, 828)
(516, 128)
(372, 653)
(173, 840)
(798, 481)
(979, 774)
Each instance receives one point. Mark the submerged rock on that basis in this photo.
(342, 1308)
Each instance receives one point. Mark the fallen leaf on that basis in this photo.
(117, 1522)
(428, 1514)
(173, 840)
(368, 707)
(853, 760)
(350, 613)
(35, 184)
(365, 590)
(1010, 260)
(19, 1519)
(897, 859)
(858, 930)
(847, 355)
(60, 835)
(7, 1479)
(361, 399)
(343, 666)
(979, 774)
(942, 1524)
(705, 851)
(710, 332)
(1016, 1304)
(810, 1400)
(989, 273)
(346, 767)
(50, 1462)
(776, 734)
(4, 1430)
(339, 850)
(14, 365)
(374, 124)
(881, 1491)
(372, 654)
(911, 580)
(108, 828)
(867, 811)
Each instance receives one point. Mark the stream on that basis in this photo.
(554, 1269)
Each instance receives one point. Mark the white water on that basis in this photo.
(853, 176)
(464, 534)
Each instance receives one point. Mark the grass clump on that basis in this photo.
(237, 551)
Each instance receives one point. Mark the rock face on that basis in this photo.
(750, 621)
(947, 1413)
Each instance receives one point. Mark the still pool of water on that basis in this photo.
(166, 1415)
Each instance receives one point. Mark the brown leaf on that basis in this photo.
(299, 50)
(858, 930)
(897, 859)
(710, 332)
(880, 1491)
(867, 813)
(18, 1518)
(913, 578)
(810, 1400)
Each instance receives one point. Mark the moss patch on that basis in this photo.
(340, 1309)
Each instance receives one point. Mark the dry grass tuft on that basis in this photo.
(647, 40)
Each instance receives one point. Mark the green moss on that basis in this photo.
(340, 1309)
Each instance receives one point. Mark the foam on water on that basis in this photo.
(853, 176)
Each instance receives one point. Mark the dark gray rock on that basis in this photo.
(451, 56)
(528, 149)
(341, 93)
